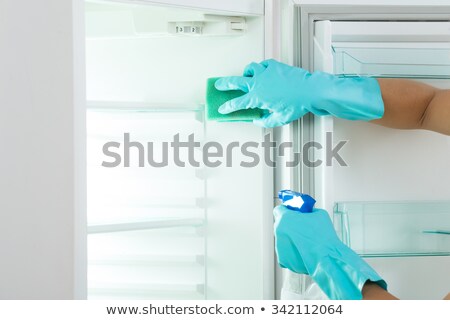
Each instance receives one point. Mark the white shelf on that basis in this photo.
(129, 106)
(145, 225)
(140, 260)
(146, 290)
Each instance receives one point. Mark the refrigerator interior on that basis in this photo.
(388, 166)
(173, 232)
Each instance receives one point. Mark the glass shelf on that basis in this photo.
(152, 112)
(148, 260)
(146, 291)
(394, 229)
(146, 225)
(390, 62)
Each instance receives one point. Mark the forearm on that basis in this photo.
(414, 105)
(372, 291)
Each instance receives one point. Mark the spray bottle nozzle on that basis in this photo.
(297, 201)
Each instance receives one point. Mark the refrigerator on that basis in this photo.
(133, 72)
(206, 233)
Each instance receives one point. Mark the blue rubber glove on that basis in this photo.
(289, 93)
(306, 243)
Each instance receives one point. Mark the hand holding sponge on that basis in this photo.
(279, 94)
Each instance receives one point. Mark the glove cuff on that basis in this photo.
(343, 281)
(351, 98)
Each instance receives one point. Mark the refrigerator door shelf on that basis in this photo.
(391, 31)
(394, 229)
(387, 61)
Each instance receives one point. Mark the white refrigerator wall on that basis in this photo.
(391, 165)
(161, 70)
(37, 161)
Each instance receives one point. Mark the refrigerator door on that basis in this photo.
(196, 232)
(385, 166)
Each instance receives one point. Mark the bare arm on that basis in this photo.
(372, 291)
(414, 105)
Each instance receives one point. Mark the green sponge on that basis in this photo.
(215, 98)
